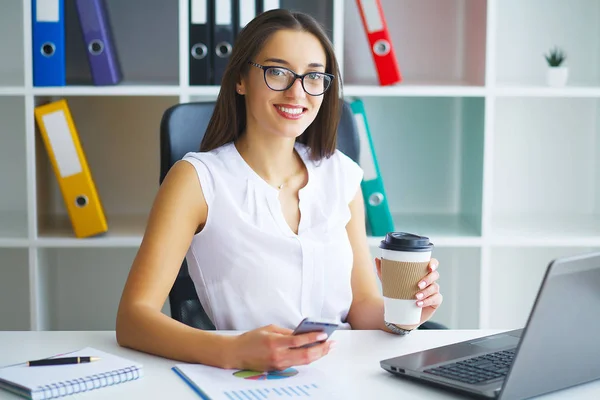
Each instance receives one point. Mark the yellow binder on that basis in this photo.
(71, 169)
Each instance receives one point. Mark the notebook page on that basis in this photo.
(33, 377)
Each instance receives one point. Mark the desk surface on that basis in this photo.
(357, 356)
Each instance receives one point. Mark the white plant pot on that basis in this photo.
(557, 76)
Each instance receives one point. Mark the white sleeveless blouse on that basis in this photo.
(249, 268)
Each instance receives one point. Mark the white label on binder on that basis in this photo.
(46, 10)
(247, 11)
(365, 159)
(223, 12)
(62, 144)
(371, 12)
(270, 5)
(198, 12)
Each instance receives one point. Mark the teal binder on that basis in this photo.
(378, 213)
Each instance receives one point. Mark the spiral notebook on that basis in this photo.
(50, 382)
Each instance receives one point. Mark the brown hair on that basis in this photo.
(228, 120)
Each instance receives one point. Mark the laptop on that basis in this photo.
(558, 347)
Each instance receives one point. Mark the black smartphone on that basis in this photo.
(312, 325)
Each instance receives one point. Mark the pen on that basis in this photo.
(61, 361)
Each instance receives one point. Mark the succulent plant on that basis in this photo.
(555, 57)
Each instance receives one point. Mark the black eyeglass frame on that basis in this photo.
(265, 68)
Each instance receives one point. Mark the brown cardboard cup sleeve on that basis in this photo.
(400, 279)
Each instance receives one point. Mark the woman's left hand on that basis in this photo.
(429, 296)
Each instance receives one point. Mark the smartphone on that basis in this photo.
(311, 325)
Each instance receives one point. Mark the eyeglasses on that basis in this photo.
(280, 79)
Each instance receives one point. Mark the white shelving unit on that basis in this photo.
(476, 152)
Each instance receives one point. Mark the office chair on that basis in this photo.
(182, 128)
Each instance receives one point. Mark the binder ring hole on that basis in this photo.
(96, 47)
(199, 51)
(81, 201)
(376, 199)
(381, 47)
(223, 49)
(48, 49)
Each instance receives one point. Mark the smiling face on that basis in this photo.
(283, 113)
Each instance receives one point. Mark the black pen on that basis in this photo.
(61, 361)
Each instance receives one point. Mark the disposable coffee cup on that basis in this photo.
(404, 263)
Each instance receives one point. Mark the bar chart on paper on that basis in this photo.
(222, 384)
(275, 392)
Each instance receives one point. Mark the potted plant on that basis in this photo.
(557, 73)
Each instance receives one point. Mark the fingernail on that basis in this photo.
(433, 267)
(322, 336)
(419, 303)
(422, 285)
(419, 295)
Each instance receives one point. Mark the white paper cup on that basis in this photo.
(404, 262)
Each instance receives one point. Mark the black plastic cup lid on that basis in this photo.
(403, 241)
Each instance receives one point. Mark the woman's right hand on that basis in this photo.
(271, 348)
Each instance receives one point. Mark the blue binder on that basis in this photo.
(48, 37)
(376, 202)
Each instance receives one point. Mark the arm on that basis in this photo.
(177, 213)
(367, 309)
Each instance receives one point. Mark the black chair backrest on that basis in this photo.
(181, 131)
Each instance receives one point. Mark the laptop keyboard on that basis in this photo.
(477, 369)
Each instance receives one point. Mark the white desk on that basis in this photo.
(357, 357)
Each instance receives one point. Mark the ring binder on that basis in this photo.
(378, 35)
(223, 31)
(48, 43)
(379, 217)
(200, 36)
(70, 166)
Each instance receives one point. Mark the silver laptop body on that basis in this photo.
(558, 348)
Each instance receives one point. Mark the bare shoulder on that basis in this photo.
(181, 194)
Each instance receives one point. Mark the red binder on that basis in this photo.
(371, 14)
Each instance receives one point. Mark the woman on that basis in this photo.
(268, 214)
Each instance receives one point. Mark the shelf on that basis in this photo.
(117, 90)
(546, 163)
(10, 243)
(442, 230)
(495, 225)
(121, 141)
(431, 162)
(450, 89)
(506, 90)
(12, 91)
(146, 37)
(13, 168)
(528, 30)
(433, 41)
(12, 50)
(124, 231)
(209, 91)
(14, 290)
(545, 230)
(83, 287)
(516, 275)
